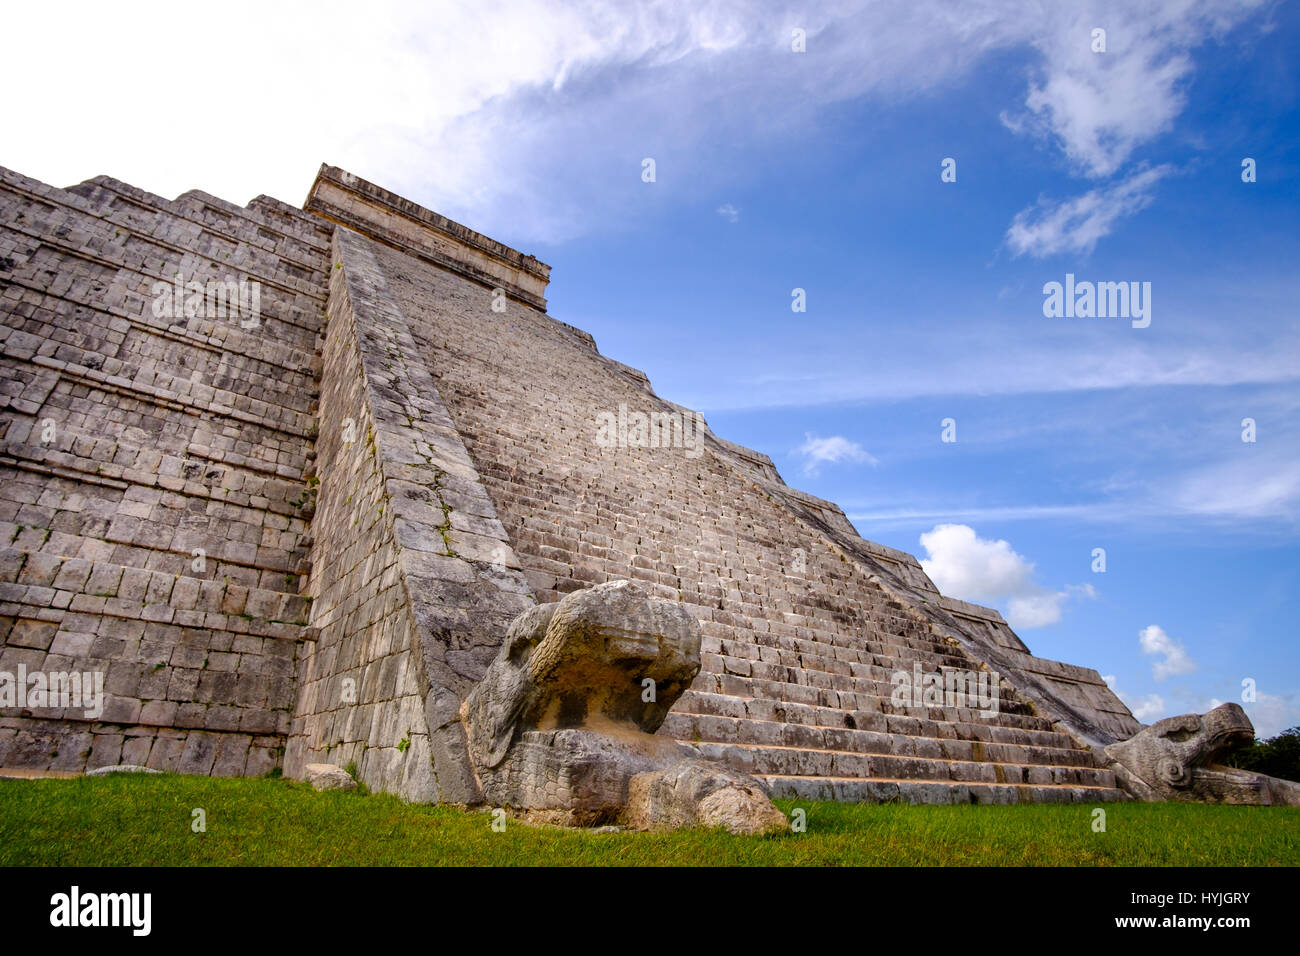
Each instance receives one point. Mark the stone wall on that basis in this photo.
(417, 583)
(129, 441)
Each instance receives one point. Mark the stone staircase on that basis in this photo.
(817, 721)
(795, 685)
(924, 755)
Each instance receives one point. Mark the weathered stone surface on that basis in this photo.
(326, 776)
(155, 460)
(562, 726)
(383, 476)
(408, 613)
(1178, 758)
(693, 793)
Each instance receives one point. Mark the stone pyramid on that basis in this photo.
(303, 539)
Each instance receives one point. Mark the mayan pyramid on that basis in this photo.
(297, 533)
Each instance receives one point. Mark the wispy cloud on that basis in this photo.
(1113, 79)
(1251, 485)
(989, 356)
(729, 212)
(1241, 495)
(1076, 225)
(898, 517)
(1100, 106)
(821, 451)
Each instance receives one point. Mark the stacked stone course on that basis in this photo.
(166, 436)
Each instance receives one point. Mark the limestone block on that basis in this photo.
(325, 776)
(695, 793)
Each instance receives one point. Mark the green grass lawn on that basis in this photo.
(145, 820)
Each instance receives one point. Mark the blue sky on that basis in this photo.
(820, 170)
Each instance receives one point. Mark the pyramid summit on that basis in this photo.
(350, 496)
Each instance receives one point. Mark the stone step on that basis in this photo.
(914, 721)
(796, 669)
(301, 243)
(838, 649)
(869, 679)
(180, 346)
(791, 693)
(1059, 749)
(173, 464)
(127, 290)
(875, 655)
(883, 790)
(759, 760)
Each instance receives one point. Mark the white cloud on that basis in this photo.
(1044, 607)
(729, 212)
(1100, 107)
(1076, 225)
(1035, 610)
(1250, 485)
(1146, 709)
(530, 120)
(1172, 656)
(966, 566)
(819, 451)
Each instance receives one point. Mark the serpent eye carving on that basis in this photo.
(1173, 772)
